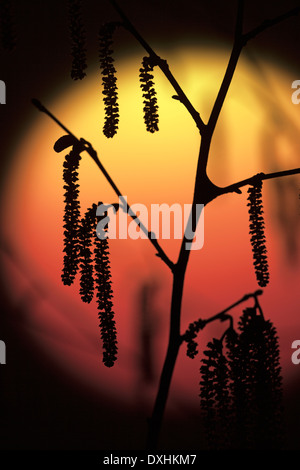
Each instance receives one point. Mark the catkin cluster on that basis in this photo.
(110, 89)
(241, 387)
(214, 395)
(86, 252)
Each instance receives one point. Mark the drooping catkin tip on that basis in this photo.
(103, 286)
(258, 239)
(86, 236)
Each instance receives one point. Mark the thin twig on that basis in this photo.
(163, 65)
(234, 57)
(268, 24)
(230, 328)
(222, 315)
(240, 20)
(125, 206)
(235, 188)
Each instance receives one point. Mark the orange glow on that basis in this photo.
(152, 169)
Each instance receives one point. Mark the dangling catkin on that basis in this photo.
(71, 216)
(258, 239)
(149, 94)
(273, 404)
(86, 236)
(237, 374)
(104, 300)
(249, 338)
(222, 397)
(207, 395)
(241, 386)
(255, 383)
(214, 395)
(264, 379)
(78, 40)
(109, 80)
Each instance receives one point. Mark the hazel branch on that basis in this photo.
(227, 79)
(86, 146)
(230, 328)
(200, 324)
(236, 187)
(268, 24)
(240, 41)
(163, 65)
(239, 21)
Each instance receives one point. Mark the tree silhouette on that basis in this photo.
(240, 374)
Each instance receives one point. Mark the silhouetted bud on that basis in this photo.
(258, 240)
(104, 300)
(109, 79)
(189, 336)
(149, 94)
(86, 238)
(78, 39)
(64, 142)
(8, 40)
(192, 350)
(71, 216)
